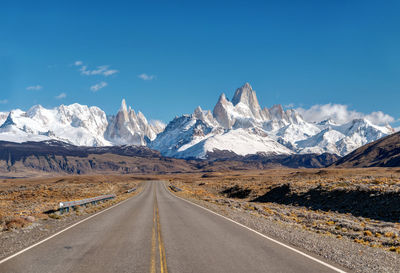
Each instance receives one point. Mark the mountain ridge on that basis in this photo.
(243, 127)
(240, 126)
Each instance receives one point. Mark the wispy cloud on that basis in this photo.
(98, 86)
(78, 63)
(61, 96)
(146, 77)
(341, 114)
(3, 101)
(99, 70)
(34, 87)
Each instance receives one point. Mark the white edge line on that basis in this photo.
(259, 233)
(61, 231)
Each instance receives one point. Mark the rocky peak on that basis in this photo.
(243, 94)
(277, 112)
(222, 110)
(8, 122)
(198, 112)
(122, 114)
(123, 108)
(222, 99)
(34, 110)
(247, 96)
(127, 127)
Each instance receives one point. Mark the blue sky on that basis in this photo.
(297, 53)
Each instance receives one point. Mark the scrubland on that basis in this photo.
(25, 201)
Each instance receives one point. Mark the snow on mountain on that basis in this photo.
(127, 127)
(3, 117)
(79, 125)
(76, 124)
(195, 135)
(243, 127)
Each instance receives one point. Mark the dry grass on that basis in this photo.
(22, 199)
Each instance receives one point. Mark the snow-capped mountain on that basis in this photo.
(127, 127)
(243, 127)
(240, 126)
(79, 125)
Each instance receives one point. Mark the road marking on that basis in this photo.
(163, 260)
(262, 235)
(153, 245)
(157, 225)
(61, 231)
(153, 237)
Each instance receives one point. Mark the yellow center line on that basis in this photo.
(157, 225)
(153, 241)
(163, 262)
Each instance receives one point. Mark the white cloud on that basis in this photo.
(341, 114)
(98, 86)
(100, 70)
(34, 87)
(61, 96)
(3, 101)
(146, 77)
(158, 124)
(379, 118)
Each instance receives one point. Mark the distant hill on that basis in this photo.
(53, 156)
(384, 152)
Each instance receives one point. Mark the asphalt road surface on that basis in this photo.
(157, 232)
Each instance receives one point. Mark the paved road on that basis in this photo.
(158, 232)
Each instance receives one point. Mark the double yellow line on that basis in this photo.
(157, 231)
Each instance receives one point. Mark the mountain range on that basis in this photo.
(79, 125)
(384, 152)
(239, 126)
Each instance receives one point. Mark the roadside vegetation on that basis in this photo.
(24, 202)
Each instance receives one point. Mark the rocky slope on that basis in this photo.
(241, 126)
(384, 152)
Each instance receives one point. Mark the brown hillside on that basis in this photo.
(384, 152)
